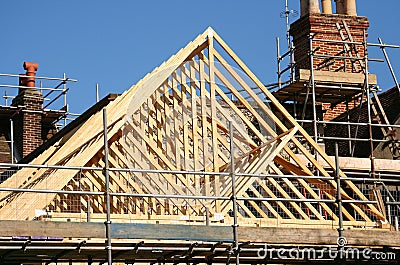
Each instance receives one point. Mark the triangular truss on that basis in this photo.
(176, 118)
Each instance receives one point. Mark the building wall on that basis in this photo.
(332, 112)
(28, 122)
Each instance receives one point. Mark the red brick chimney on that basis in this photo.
(28, 121)
(325, 26)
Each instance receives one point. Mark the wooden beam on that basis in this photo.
(336, 77)
(268, 235)
(318, 237)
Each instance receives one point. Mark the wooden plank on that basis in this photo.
(319, 237)
(336, 77)
(169, 143)
(185, 123)
(255, 206)
(168, 185)
(176, 122)
(118, 231)
(203, 109)
(172, 232)
(214, 128)
(195, 139)
(52, 229)
(269, 235)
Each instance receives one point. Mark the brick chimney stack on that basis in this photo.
(325, 26)
(344, 25)
(28, 121)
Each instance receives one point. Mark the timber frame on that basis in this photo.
(176, 119)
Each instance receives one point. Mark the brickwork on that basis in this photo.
(323, 26)
(28, 122)
(5, 152)
(331, 113)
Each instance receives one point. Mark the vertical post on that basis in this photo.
(65, 98)
(396, 223)
(368, 92)
(213, 99)
(287, 13)
(278, 58)
(107, 192)
(389, 64)
(88, 207)
(207, 216)
(312, 79)
(12, 140)
(289, 42)
(97, 93)
(234, 198)
(341, 240)
(292, 63)
(348, 126)
(389, 213)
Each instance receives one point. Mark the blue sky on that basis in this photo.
(115, 43)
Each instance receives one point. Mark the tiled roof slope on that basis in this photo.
(390, 102)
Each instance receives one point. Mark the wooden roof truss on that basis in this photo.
(176, 118)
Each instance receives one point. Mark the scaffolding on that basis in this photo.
(55, 105)
(80, 207)
(319, 85)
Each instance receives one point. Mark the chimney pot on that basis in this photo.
(309, 6)
(339, 6)
(31, 69)
(327, 6)
(350, 7)
(314, 6)
(304, 7)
